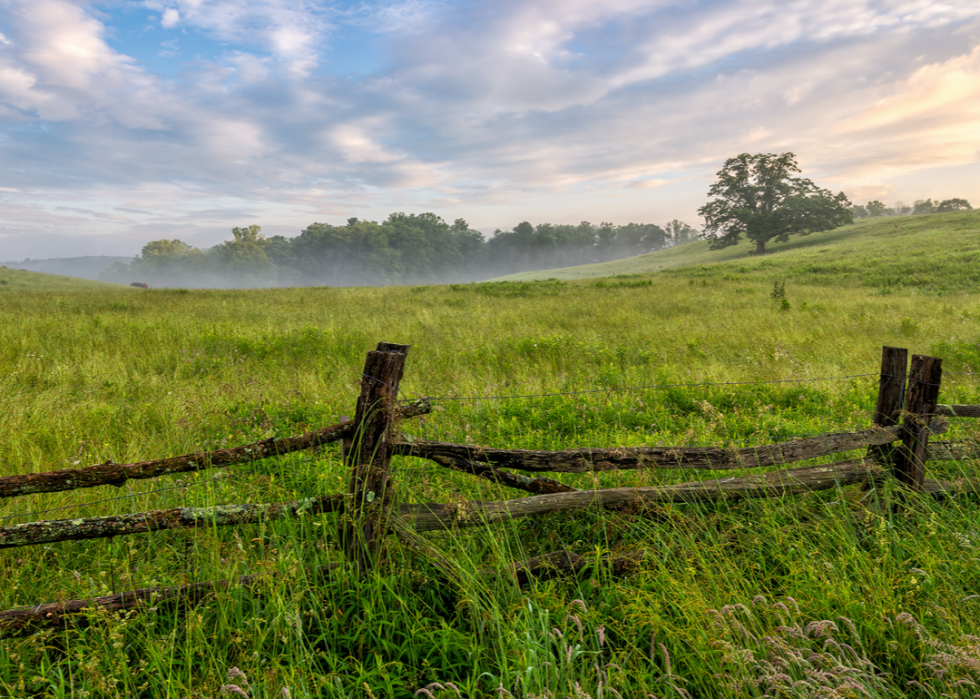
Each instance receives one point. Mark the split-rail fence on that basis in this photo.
(897, 443)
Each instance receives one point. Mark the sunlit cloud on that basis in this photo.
(282, 112)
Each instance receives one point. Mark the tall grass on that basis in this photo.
(809, 596)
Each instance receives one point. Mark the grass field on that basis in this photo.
(938, 253)
(801, 597)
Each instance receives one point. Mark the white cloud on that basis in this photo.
(170, 18)
(407, 17)
(492, 104)
(291, 30)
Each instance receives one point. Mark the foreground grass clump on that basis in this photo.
(809, 596)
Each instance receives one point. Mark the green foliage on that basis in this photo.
(876, 208)
(245, 253)
(404, 249)
(622, 283)
(958, 356)
(953, 205)
(756, 197)
(546, 287)
(923, 206)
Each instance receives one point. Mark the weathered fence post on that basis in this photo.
(891, 392)
(371, 493)
(920, 407)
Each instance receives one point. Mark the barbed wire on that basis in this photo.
(616, 389)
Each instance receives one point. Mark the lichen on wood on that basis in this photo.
(111, 473)
(701, 458)
(432, 516)
(46, 532)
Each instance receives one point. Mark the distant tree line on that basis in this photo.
(404, 249)
(875, 208)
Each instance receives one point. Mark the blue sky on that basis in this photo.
(128, 121)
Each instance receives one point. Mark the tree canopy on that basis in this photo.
(404, 249)
(756, 197)
(956, 204)
(920, 207)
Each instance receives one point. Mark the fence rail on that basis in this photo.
(111, 473)
(897, 446)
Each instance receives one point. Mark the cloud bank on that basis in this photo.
(122, 123)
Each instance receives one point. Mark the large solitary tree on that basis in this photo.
(757, 197)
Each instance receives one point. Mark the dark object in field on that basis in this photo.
(140, 285)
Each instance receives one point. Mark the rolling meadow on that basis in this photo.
(819, 595)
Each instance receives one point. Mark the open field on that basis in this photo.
(734, 599)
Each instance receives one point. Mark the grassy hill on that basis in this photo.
(810, 596)
(883, 253)
(12, 279)
(87, 267)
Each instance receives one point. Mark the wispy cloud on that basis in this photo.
(478, 105)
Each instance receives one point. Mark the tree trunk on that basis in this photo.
(760, 247)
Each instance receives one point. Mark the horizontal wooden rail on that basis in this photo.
(469, 514)
(110, 473)
(702, 458)
(949, 451)
(433, 516)
(50, 531)
(940, 489)
(958, 410)
(78, 529)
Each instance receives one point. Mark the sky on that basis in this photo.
(126, 121)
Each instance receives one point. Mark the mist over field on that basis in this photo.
(404, 249)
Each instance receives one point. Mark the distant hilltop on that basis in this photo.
(82, 267)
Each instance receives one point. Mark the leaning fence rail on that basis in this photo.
(906, 414)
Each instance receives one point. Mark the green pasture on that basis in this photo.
(937, 253)
(814, 596)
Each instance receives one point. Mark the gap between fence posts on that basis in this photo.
(891, 391)
(925, 377)
(371, 493)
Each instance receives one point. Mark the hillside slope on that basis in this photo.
(88, 267)
(884, 253)
(12, 279)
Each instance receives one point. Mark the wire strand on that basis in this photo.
(615, 389)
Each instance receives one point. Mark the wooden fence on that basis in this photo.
(897, 443)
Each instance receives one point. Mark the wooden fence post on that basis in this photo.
(920, 407)
(371, 493)
(891, 393)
